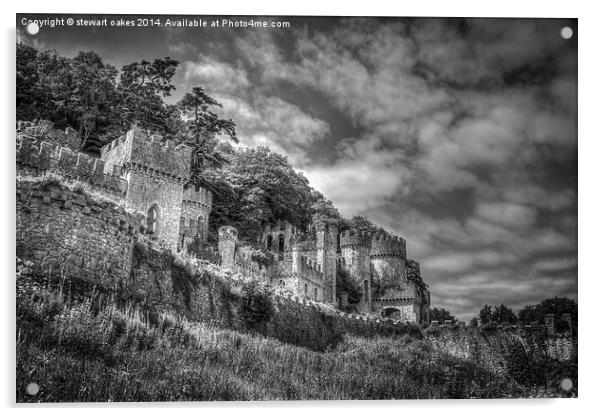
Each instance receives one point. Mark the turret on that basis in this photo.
(155, 170)
(388, 246)
(196, 207)
(227, 237)
(387, 257)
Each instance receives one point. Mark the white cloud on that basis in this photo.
(215, 76)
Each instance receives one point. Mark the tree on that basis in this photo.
(474, 321)
(28, 87)
(323, 209)
(78, 92)
(201, 125)
(264, 188)
(503, 313)
(346, 285)
(362, 224)
(441, 314)
(486, 314)
(142, 87)
(557, 306)
(91, 98)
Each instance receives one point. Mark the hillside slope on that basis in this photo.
(80, 352)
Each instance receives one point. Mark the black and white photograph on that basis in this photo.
(295, 208)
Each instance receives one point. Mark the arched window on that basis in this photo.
(305, 289)
(316, 294)
(366, 288)
(281, 247)
(152, 217)
(268, 242)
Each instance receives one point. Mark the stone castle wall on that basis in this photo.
(196, 207)
(145, 191)
(35, 156)
(44, 131)
(216, 297)
(66, 232)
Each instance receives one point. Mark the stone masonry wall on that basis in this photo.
(67, 232)
(145, 191)
(196, 207)
(35, 156)
(216, 297)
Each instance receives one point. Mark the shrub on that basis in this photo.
(256, 306)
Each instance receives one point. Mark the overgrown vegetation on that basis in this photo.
(256, 307)
(79, 352)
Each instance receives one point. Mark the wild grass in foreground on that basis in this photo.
(76, 352)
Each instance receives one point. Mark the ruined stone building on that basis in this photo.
(146, 176)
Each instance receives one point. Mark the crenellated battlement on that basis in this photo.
(355, 238)
(310, 265)
(202, 197)
(228, 232)
(387, 246)
(46, 156)
(148, 154)
(44, 130)
(245, 265)
(113, 215)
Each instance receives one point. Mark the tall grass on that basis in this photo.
(83, 352)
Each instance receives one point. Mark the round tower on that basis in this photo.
(227, 237)
(355, 250)
(388, 260)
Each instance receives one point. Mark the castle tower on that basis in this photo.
(355, 250)
(326, 250)
(388, 258)
(296, 257)
(226, 245)
(388, 266)
(196, 207)
(156, 171)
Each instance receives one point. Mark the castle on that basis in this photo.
(145, 178)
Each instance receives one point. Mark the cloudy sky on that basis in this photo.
(459, 135)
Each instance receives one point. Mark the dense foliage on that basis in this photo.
(557, 306)
(441, 315)
(501, 313)
(85, 93)
(346, 285)
(529, 314)
(260, 188)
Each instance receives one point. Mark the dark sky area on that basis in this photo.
(458, 134)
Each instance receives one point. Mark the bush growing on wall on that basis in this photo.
(256, 306)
